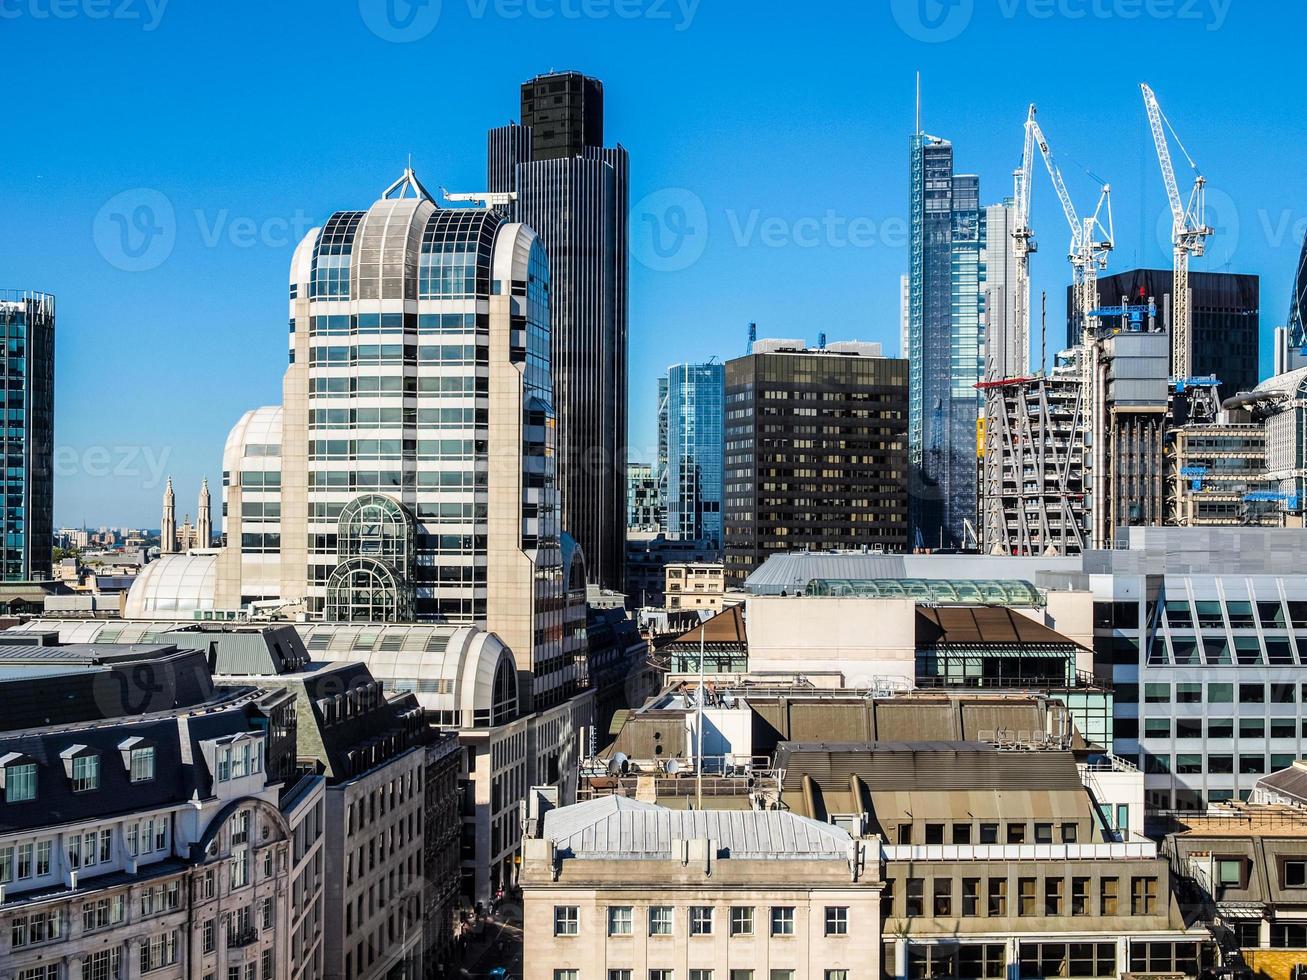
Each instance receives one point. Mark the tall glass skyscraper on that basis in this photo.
(695, 394)
(573, 191)
(27, 518)
(945, 342)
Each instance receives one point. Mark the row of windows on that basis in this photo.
(988, 833)
(660, 920)
(667, 974)
(1057, 897)
(21, 777)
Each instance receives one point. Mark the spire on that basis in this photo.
(168, 522)
(204, 518)
(408, 181)
(918, 129)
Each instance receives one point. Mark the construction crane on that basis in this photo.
(1087, 252)
(1189, 233)
(1023, 243)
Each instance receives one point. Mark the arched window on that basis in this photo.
(376, 526)
(505, 703)
(364, 590)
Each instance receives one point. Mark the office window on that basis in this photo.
(1252, 693)
(700, 920)
(1188, 728)
(1189, 763)
(1189, 693)
(660, 920)
(1220, 728)
(782, 920)
(934, 833)
(565, 975)
(989, 833)
(943, 897)
(837, 920)
(962, 833)
(86, 773)
(997, 897)
(567, 920)
(905, 833)
(1157, 728)
(1070, 832)
(701, 975)
(1251, 765)
(837, 975)
(1295, 874)
(667, 975)
(970, 896)
(915, 897)
(1284, 728)
(1157, 693)
(1053, 896)
(142, 764)
(1043, 833)
(984, 961)
(20, 783)
(741, 975)
(620, 920)
(1016, 833)
(619, 975)
(1108, 891)
(208, 936)
(1079, 896)
(742, 920)
(1143, 896)
(1229, 872)
(781, 974)
(1220, 693)
(1025, 896)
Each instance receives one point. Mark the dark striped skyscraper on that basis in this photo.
(574, 192)
(27, 518)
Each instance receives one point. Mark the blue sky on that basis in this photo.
(768, 144)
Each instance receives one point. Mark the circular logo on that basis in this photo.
(136, 230)
(1222, 216)
(400, 21)
(669, 229)
(932, 21)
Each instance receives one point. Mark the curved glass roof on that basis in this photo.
(938, 591)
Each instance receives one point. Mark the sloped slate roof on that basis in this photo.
(616, 826)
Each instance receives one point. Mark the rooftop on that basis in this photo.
(1236, 819)
(618, 827)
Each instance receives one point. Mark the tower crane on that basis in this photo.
(1189, 233)
(1023, 243)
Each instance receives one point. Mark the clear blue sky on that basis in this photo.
(786, 123)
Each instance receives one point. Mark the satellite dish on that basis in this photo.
(673, 767)
(617, 764)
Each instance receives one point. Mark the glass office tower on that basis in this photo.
(27, 521)
(945, 344)
(694, 398)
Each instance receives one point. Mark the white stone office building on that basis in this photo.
(409, 473)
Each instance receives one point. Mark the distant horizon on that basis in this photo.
(766, 186)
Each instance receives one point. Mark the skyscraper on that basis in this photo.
(1006, 351)
(816, 452)
(945, 305)
(695, 396)
(27, 518)
(409, 474)
(574, 192)
(1291, 346)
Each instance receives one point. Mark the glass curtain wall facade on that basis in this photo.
(27, 320)
(945, 344)
(575, 193)
(695, 397)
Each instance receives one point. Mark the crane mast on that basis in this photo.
(1189, 233)
(1023, 243)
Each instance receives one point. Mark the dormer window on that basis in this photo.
(138, 758)
(82, 766)
(18, 777)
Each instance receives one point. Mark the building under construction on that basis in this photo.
(1033, 465)
(1218, 476)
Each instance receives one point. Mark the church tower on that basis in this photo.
(168, 525)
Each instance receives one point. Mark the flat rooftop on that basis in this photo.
(1243, 820)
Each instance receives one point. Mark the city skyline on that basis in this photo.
(138, 339)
